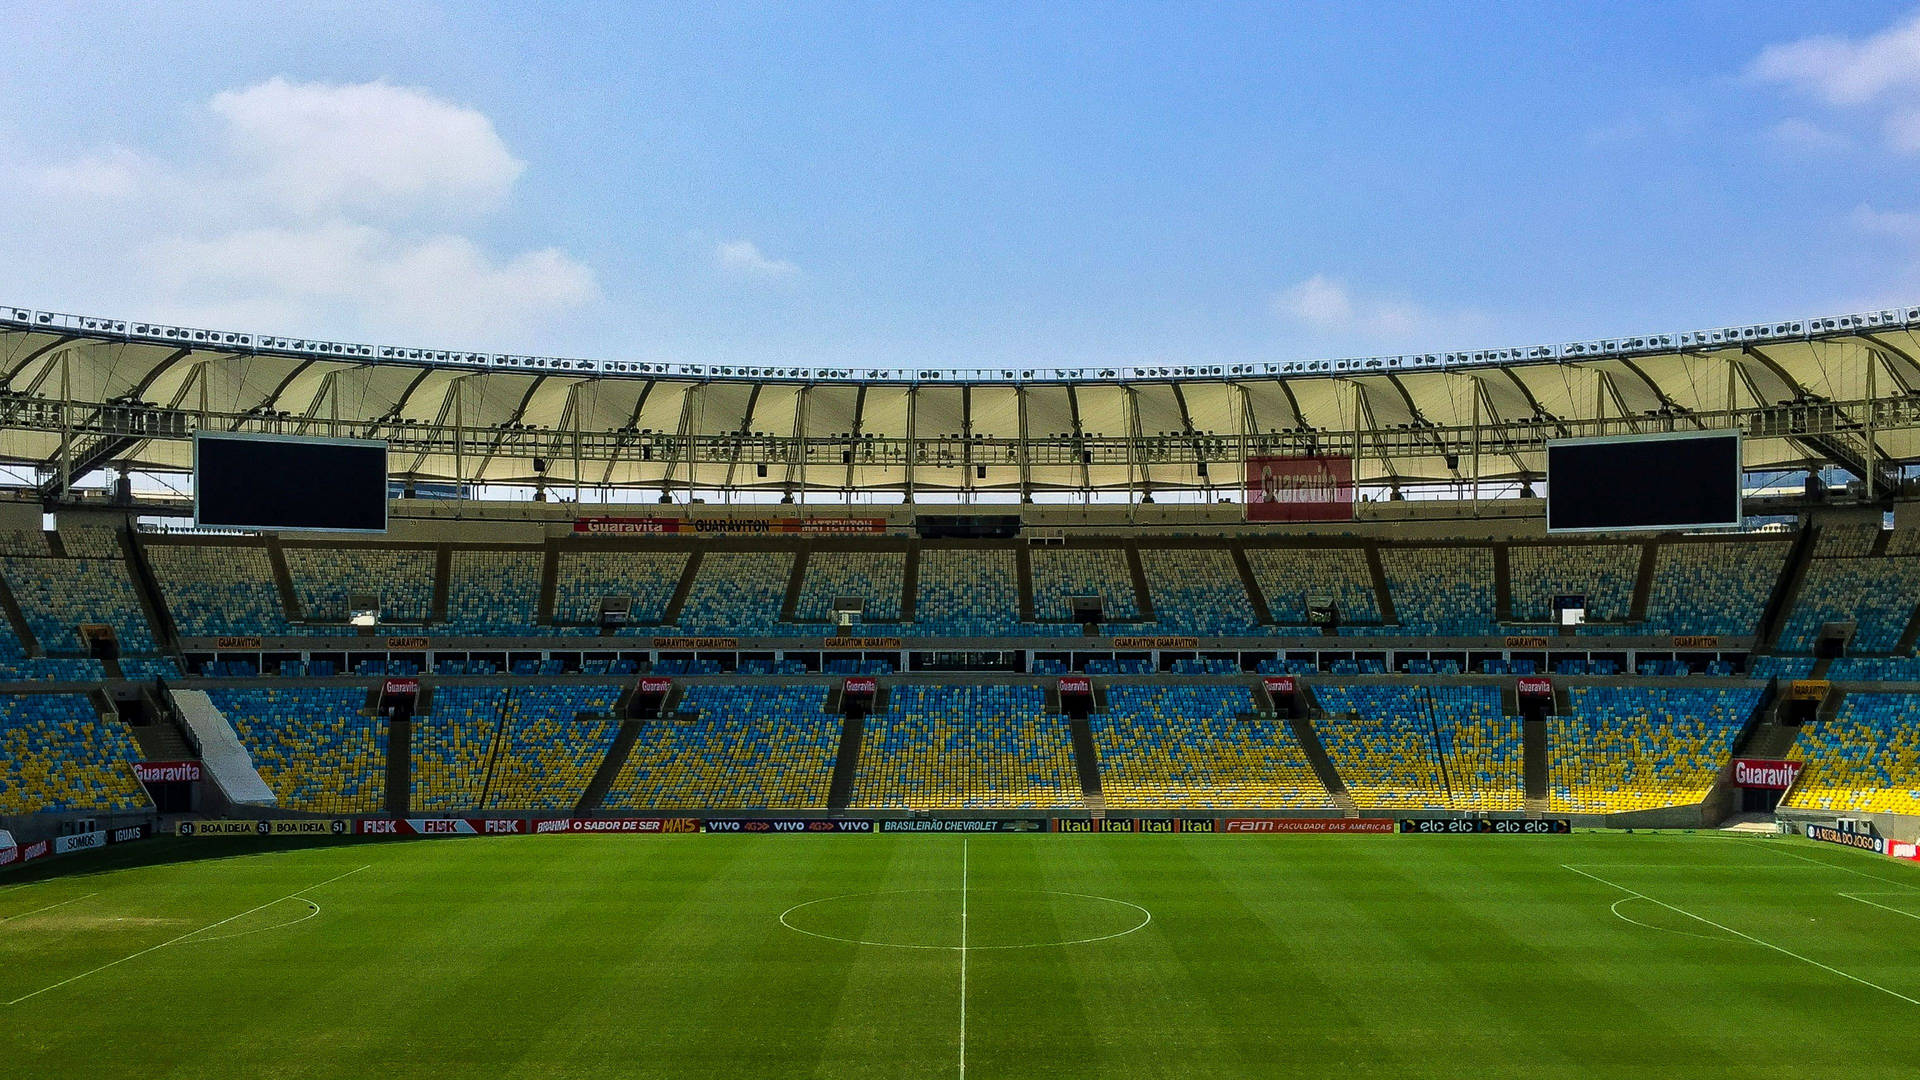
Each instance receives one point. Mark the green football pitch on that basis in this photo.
(1592, 955)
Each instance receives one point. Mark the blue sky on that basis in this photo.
(961, 184)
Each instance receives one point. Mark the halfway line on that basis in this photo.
(963, 958)
(1748, 937)
(294, 895)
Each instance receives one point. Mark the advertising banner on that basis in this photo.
(1129, 825)
(1535, 687)
(1278, 685)
(1316, 488)
(129, 833)
(1155, 643)
(656, 686)
(1524, 641)
(655, 526)
(684, 644)
(1073, 685)
(547, 826)
(1808, 690)
(266, 827)
(1461, 827)
(86, 841)
(768, 826)
(1307, 825)
(238, 643)
(1696, 641)
(966, 825)
(859, 644)
(9, 852)
(1762, 773)
(1827, 834)
(166, 772)
(860, 684)
(400, 687)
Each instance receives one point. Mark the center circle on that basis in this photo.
(993, 918)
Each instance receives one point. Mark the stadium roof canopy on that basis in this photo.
(82, 394)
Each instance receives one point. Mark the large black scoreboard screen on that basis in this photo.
(277, 482)
(1683, 480)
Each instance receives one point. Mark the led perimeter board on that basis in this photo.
(282, 483)
(1678, 480)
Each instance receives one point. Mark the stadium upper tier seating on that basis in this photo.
(1603, 573)
(57, 596)
(1198, 590)
(1711, 587)
(1060, 574)
(966, 747)
(1198, 746)
(493, 593)
(327, 578)
(647, 579)
(1876, 594)
(57, 755)
(216, 589)
(875, 577)
(1866, 759)
(1638, 748)
(967, 591)
(744, 747)
(1291, 578)
(1441, 591)
(737, 592)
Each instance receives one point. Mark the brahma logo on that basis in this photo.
(551, 826)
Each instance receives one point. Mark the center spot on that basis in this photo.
(995, 918)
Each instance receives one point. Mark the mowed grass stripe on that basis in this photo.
(1267, 957)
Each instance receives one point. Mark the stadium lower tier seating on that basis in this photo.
(57, 755)
(1640, 748)
(966, 747)
(316, 748)
(1446, 747)
(744, 747)
(552, 739)
(1865, 760)
(1199, 746)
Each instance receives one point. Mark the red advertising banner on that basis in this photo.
(1278, 684)
(400, 687)
(166, 772)
(1762, 773)
(1299, 488)
(860, 684)
(654, 526)
(1308, 825)
(656, 686)
(1076, 684)
(1535, 687)
(616, 825)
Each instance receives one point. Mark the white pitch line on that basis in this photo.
(963, 958)
(1863, 900)
(49, 907)
(294, 895)
(1843, 869)
(1744, 936)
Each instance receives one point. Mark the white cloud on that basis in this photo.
(1796, 133)
(443, 286)
(322, 210)
(1877, 76)
(1329, 306)
(318, 148)
(744, 257)
(1846, 71)
(1899, 224)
